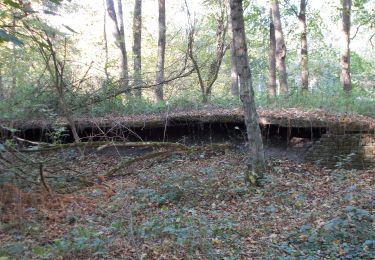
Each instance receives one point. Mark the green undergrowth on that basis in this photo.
(358, 101)
(350, 235)
(190, 232)
(333, 99)
(78, 243)
(146, 106)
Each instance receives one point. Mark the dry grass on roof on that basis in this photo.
(293, 117)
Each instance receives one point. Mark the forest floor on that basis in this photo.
(188, 205)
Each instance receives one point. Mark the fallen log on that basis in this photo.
(104, 144)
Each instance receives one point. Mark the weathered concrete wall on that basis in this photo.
(346, 150)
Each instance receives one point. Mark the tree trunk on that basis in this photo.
(256, 159)
(120, 42)
(345, 52)
(272, 61)
(137, 37)
(280, 47)
(234, 75)
(14, 50)
(304, 51)
(215, 65)
(2, 94)
(58, 74)
(161, 53)
(67, 113)
(105, 42)
(124, 54)
(195, 63)
(207, 84)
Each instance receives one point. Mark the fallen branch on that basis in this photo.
(106, 144)
(41, 173)
(146, 144)
(127, 163)
(29, 142)
(216, 146)
(180, 148)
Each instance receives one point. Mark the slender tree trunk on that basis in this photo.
(67, 113)
(137, 51)
(280, 47)
(234, 75)
(159, 92)
(256, 159)
(2, 94)
(120, 42)
(304, 50)
(56, 69)
(195, 62)
(215, 65)
(57, 75)
(345, 52)
(105, 42)
(14, 62)
(272, 61)
(207, 84)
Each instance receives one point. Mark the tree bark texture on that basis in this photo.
(221, 32)
(159, 91)
(195, 63)
(304, 49)
(280, 47)
(345, 51)
(137, 49)
(120, 41)
(206, 84)
(105, 42)
(234, 75)
(2, 94)
(14, 50)
(272, 61)
(256, 159)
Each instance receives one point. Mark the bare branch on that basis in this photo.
(372, 36)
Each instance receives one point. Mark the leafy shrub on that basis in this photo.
(136, 105)
(113, 105)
